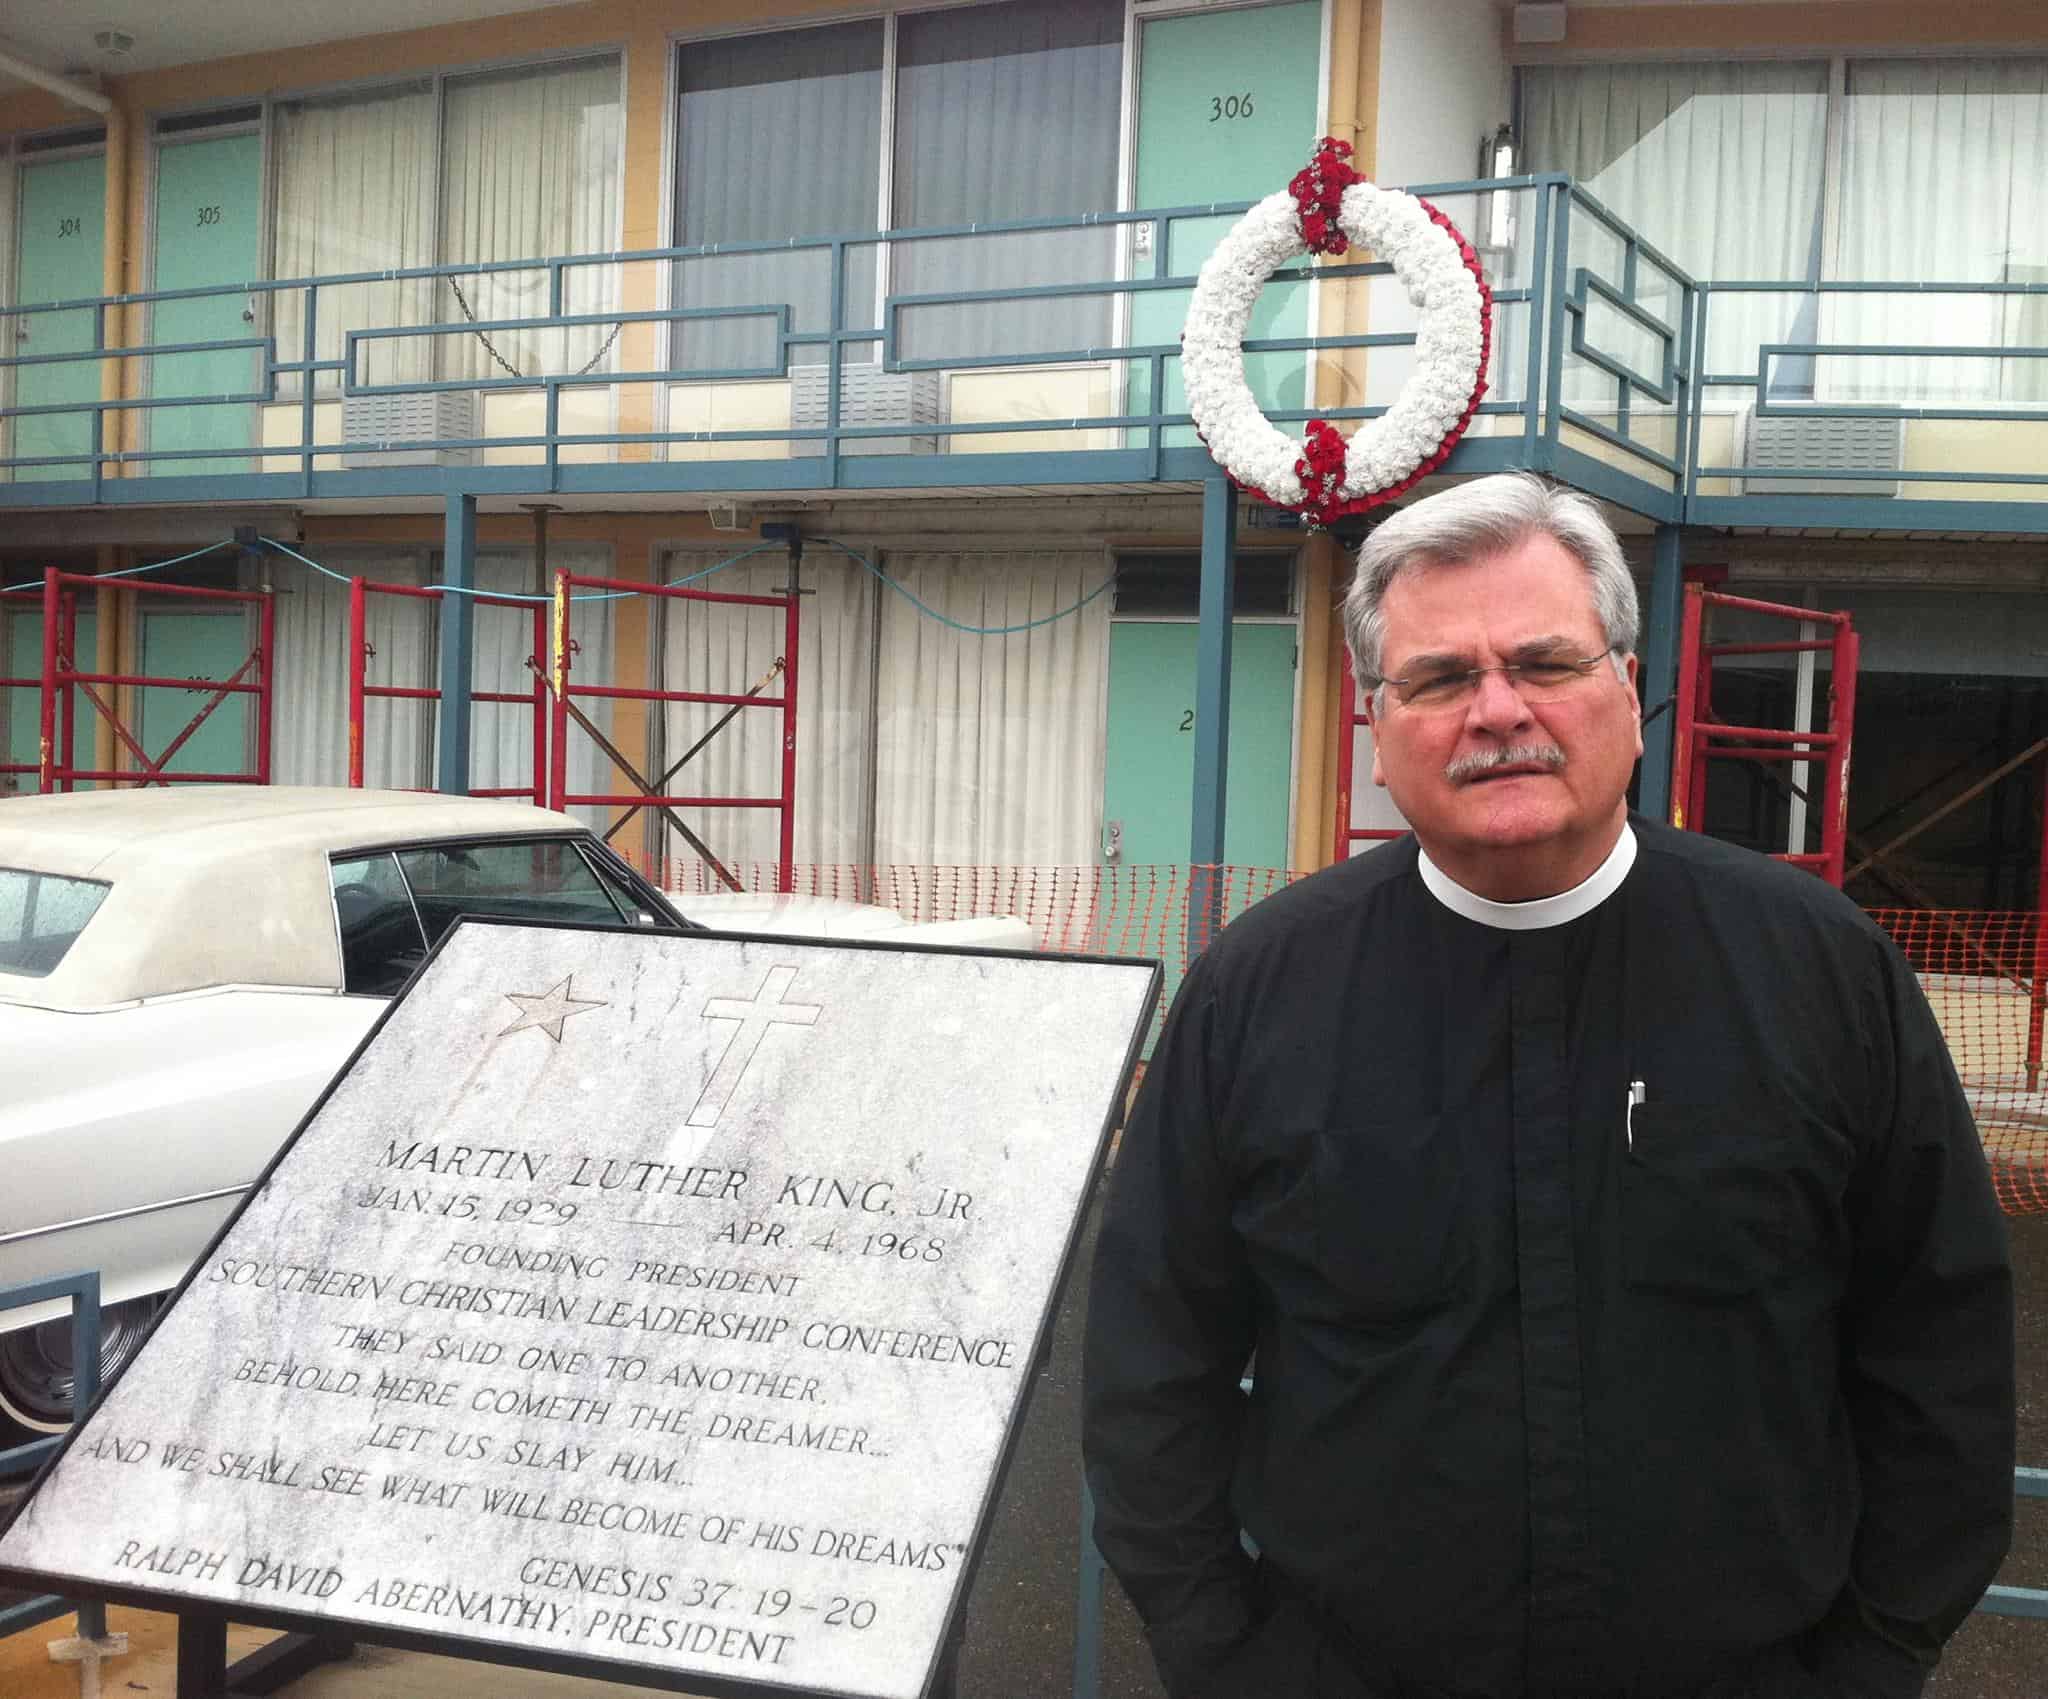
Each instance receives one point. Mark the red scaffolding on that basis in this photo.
(1701, 737)
(1349, 719)
(361, 691)
(652, 794)
(63, 680)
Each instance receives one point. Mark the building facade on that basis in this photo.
(900, 282)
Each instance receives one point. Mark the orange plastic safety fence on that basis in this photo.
(1985, 974)
(1170, 912)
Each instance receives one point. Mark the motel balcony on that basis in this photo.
(1032, 356)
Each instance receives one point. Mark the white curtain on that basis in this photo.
(747, 106)
(501, 733)
(970, 81)
(989, 750)
(1945, 178)
(309, 730)
(726, 649)
(355, 192)
(532, 164)
(1717, 165)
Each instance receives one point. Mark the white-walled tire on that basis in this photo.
(37, 1374)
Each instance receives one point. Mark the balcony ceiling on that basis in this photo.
(58, 34)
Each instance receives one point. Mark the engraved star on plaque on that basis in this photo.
(547, 1011)
(755, 1018)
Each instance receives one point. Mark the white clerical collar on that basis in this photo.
(1538, 912)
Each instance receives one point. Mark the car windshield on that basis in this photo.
(41, 916)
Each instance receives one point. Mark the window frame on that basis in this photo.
(36, 877)
(890, 17)
(614, 877)
(189, 122)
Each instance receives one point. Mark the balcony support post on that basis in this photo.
(458, 645)
(1212, 707)
(1657, 679)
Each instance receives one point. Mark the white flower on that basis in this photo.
(1449, 340)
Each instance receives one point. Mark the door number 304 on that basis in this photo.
(1223, 106)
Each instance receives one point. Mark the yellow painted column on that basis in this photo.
(114, 273)
(1339, 382)
(1312, 825)
(645, 225)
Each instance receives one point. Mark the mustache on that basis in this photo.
(1482, 761)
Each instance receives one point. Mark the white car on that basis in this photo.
(183, 970)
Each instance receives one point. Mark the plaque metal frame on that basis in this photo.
(210, 1615)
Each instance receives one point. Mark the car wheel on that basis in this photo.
(37, 1374)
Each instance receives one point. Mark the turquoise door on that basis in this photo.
(21, 705)
(202, 647)
(60, 234)
(208, 206)
(1149, 772)
(1227, 107)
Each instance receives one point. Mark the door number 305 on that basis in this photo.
(208, 215)
(1223, 106)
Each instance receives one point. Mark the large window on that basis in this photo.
(970, 83)
(964, 727)
(1935, 175)
(749, 105)
(505, 165)
(355, 192)
(1719, 165)
(973, 114)
(41, 916)
(1945, 177)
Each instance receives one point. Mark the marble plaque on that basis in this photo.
(656, 1306)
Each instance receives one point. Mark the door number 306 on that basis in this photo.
(1223, 106)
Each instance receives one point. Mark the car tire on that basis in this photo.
(36, 1373)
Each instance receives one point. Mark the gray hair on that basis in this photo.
(1471, 521)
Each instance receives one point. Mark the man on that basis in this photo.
(1631, 1308)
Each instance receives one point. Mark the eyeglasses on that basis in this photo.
(1542, 680)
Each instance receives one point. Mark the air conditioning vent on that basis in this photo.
(1850, 445)
(410, 416)
(868, 395)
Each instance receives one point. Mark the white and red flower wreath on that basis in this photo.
(1329, 208)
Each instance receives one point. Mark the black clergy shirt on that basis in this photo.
(1552, 1400)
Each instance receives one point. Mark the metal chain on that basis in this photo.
(490, 347)
(510, 370)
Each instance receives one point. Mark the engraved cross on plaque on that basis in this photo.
(755, 1018)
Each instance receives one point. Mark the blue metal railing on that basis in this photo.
(83, 1291)
(1547, 292)
(2021, 1601)
(1601, 375)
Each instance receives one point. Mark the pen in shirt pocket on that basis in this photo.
(1638, 1094)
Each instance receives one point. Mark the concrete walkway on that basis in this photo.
(150, 1669)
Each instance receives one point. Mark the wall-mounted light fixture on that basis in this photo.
(1499, 156)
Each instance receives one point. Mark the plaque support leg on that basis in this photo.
(89, 1652)
(946, 1681)
(202, 1655)
(283, 1661)
(1088, 1607)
